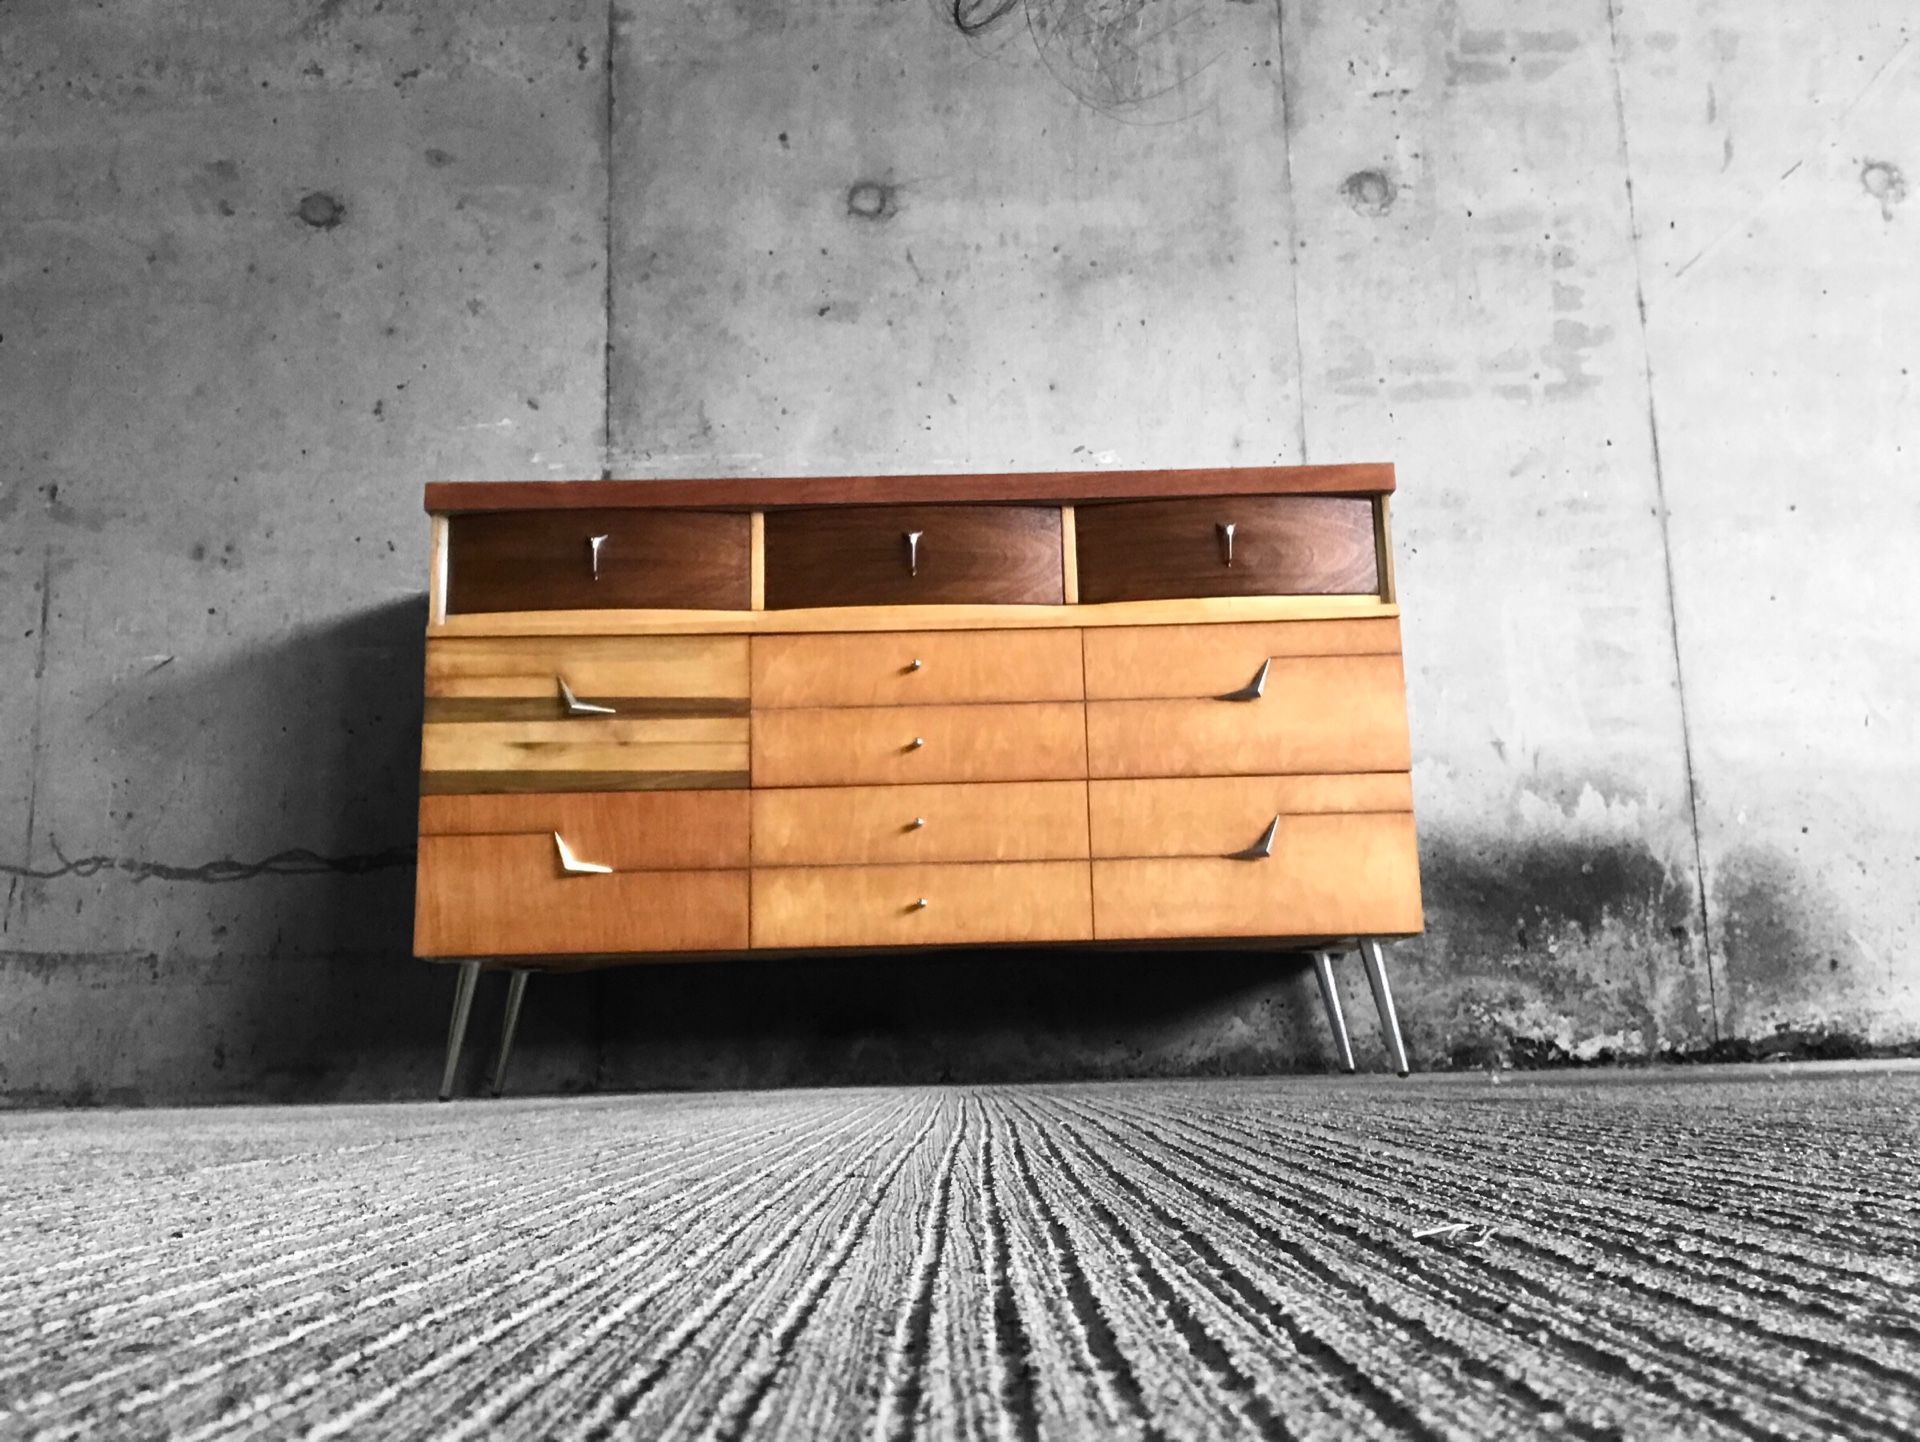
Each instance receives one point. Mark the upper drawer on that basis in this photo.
(1129, 662)
(583, 560)
(1226, 546)
(528, 678)
(898, 668)
(913, 555)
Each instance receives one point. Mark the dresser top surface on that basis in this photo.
(1369, 478)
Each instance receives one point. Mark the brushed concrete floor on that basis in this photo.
(1732, 1253)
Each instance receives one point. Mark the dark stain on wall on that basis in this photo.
(873, 200)
(1370, 192)
(971, 17)
(1883, 180)
(320, 210)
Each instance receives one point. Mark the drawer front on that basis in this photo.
(881, 905)
(916, 667)
(519, 678)
(548, 560)
(629, 831)
(863, 556)
(857, 825)
(901, 745)
(1220, 815)
(1128, 662)
(488, 896)
(1226, 546)
(594, 754)
(1316, 714)
(1327, 876)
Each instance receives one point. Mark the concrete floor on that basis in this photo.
(1706, 1253)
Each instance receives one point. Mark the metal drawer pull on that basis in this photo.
(594, 543)
(916, 743)
(575, 706)
(921, 904)
(1225, 528)
(916, 823)
(574, 865)
(1254, 689)
(914, 664)
(1261, 849)
(913, 552)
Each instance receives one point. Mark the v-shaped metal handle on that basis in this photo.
(913, 551)
(1254, 689)
(1261, 849)
(1225, 528)
(575, 706)
(594, 543)
(573, 865)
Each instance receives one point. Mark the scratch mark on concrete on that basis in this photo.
(1660, 500)
(33, 739)
(1880, 80)
(1293, 226)
(294, 862)
(606, 364)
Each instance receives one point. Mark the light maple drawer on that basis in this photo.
(901, 668)
(650, 753)
(978, 904)
(498, 896)
(529, 678)
(595, 559)
(898, 745)
(627, 830)
(1326, 876)
(1223, 815)
(1226, 546)
(914, 555)
(1313, 714)
(996, 821)
(1129, 662)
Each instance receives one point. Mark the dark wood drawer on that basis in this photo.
(545, 560)
(1280, 546)
(864, 556)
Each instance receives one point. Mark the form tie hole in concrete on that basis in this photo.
(1369, 192)
(873, 200)
(320, 210)
(1884, 182)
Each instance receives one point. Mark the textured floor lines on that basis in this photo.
(1715, 1255)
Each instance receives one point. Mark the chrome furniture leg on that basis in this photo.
(457, 1031)
(516, 989)
(1376, 968)
(1336, 1018)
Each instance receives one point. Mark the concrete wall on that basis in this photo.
(1628, 291)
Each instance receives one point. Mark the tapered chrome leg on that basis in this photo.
(1376, 968)
(516, 989)
(1336, 1018)
(457, 1031)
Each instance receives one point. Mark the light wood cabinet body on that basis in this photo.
(883, 712)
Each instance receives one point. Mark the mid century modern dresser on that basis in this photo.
(667, 718)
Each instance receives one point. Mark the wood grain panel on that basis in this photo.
(542, 560)
(1148, 661)
(629, 831)
(771, 493)
(1202, 610)
(878, 905)
(601, 754)
(601, 668)
(1045, 741)
(1328, 876)
(1282, 545)
(860, 825)
(494, 896)
(897, 668)
(1319, 714)
(858, 556)
(1218, 815)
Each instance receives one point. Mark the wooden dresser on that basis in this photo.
(667, 718)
